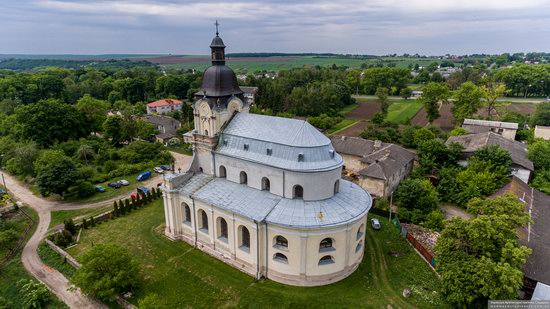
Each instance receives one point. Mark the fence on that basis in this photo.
(20, 242)
(427, 255)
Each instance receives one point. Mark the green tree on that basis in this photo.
(406, 93)
(116, 210)
(539, 153)
(499, 159)
(50, 121)
(542, 115)
(8, 236)
(432, 94)
(416, 198)
(145, 129)
(382, 94)
(542, 181)
(422, 135)
(55, 172)
(35, 295)
(21, 159)
(458, 131)
(112, 129)
(491, 93)
(107, 271)
(85, 152)
(467, 100)
(94, 111)
(127, 203)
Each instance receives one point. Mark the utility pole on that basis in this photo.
(4, 181)
(391, 203)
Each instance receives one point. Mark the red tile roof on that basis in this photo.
(164, 102)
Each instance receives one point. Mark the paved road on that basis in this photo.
(54, 280)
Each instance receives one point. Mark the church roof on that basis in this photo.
(219, 81)
(350, 203)
(280, 142)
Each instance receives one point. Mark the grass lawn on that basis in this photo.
(185, 277)
(345, 123)
(14, 271)
(61, 215)
(402, 110)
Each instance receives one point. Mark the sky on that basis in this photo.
(377, 27)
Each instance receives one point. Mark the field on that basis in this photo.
(445, 121)
(59, 216)
(185, 277)
(14, 271)
(402, 110)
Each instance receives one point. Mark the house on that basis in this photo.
(264, 194)
(164, 106)
(249, 94)
(417, 93)
(167, 127)
(535, 236)
(521, 166)
(379, 167)
(542, 132)
(506, 129)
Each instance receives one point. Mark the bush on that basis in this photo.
(86, 172)
(35, 295)
(434, 220)
(70, 226)
(84, 189)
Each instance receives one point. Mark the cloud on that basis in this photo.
(348, 26)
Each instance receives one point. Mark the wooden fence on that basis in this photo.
(426, 254)
(20, 243)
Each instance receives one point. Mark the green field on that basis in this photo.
(345, 123)
(77, 214)
(265, 64)
(185, 277)
(402, 110)
(14, 271)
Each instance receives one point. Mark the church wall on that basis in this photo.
(317, 186)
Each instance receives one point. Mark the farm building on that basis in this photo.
(506, 129)
(264, 194)
(164, 106)
(542, 132)
(167, 127)
(535, 236)
(521, 166)
(379, 167)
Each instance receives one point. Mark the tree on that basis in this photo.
(112, 129)
(539, 153)
(85, 224)
(491, 92)
(542, 115)
(55, 172)
(107, 271)
(85, 152)
(21, 159)
(116, 210)
(70, 226)
(499, 159)
(35, 295)
(406, 93)
(8, 237)
(145, 129)
(50, 121)
(480, 258)
(94, 111)
(422, 135)
(382, 94)
(458, 131)
(416, 198)
(127, 204)
(434, 154)
(432, 94)
(467, 100)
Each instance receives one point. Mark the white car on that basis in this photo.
(375, 224)
(124, 182)
(158, 170)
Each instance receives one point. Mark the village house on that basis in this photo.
(535, 236)
(167, 127)
(164, 106)
(249, 94)
(522, 167)
(542, 132)
(506, 129)
(378, 167)
(264, 194)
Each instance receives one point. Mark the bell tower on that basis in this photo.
(215, 103)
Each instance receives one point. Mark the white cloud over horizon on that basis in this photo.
(346, 26)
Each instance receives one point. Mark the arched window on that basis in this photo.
(337, 186)
(298, 192)
(223, 172)
(327, 259)
(204, 221)
(266, 185)
(186, 213)
(326, 245)
(281, 242)
(359, 247)
(222, 228)
(205, 132)
(360, 232)
(281, 258)
(244, 238)
(243, 178)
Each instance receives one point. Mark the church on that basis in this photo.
(264, 194)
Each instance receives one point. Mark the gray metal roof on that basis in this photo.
(492, 124)
(294, 144)
(351, 202)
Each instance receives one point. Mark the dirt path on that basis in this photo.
(53, 279)
(453, 211)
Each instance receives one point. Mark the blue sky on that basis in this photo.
(430, 27)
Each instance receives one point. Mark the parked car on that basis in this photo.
(143, 176)
(143, 190)
(115, 184)
(124, 182)
(158, 170)
(100, 188)
(166, 167)
(375, 224)
(3, 192)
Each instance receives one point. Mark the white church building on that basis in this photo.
(263, 193)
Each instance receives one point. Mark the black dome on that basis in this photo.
(220, 81)
(217, 42)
